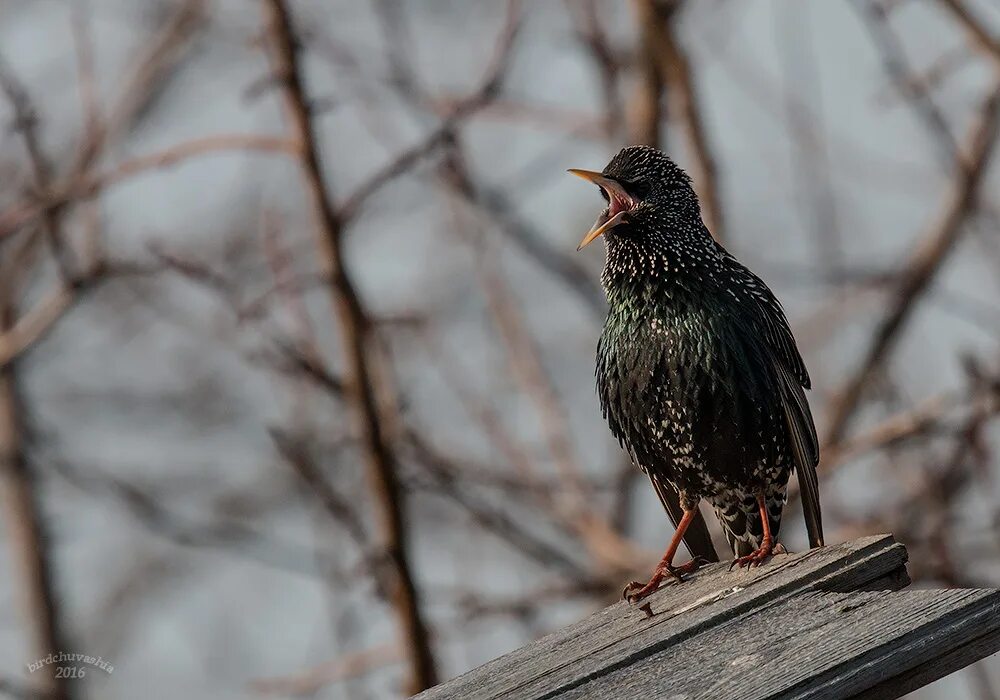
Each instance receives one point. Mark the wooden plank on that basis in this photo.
(909, 680)
(815, 646)
(620, 636)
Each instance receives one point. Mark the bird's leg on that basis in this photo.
(636, 591)
(759, 555)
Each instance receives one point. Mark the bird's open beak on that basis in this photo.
(620, 203)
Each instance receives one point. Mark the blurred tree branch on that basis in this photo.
(647, 108)
(91, 185)
(29, 543)
(591, 32)
(919, 271)
(980, 36)
(358, 346)
(659, 19)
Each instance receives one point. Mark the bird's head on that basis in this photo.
(640, 184)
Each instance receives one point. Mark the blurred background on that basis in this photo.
(296, 353)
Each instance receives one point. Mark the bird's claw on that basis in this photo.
(630, 588)
(635, 591)
(754, 558)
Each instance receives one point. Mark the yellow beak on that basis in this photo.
(600, 226)
(615, 193)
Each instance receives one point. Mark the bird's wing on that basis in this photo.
(697, 538)
(769, 322)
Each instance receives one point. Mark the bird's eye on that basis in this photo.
(636, 188)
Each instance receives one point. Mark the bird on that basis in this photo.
(698, 373)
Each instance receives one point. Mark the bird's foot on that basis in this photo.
(756, 557)
(635, 591)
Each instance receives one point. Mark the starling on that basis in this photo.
(698, 374)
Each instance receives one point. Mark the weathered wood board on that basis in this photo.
(827, 623)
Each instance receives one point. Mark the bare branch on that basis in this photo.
(932, 251)
(647, 109)
(26, 534)
(974, 28)
(32, 326)
(151, 71)
(89, 186)
(355, 329)
(337, 506)
(676, 66)
(593, 36)
(26, 121)
(658, 20)
(444, 133)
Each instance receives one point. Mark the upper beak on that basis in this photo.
(615, 192)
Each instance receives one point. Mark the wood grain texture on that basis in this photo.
(827, 623)
(913, 678)
(819, 646)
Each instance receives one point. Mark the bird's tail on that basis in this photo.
(739, 516)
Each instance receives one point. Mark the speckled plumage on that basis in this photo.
(697, 371)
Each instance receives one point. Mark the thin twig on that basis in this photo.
(443, 133)
(89, 186)
(26, 122)
(150, 73)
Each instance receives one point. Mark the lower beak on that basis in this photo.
(615, 192)
(600, 227)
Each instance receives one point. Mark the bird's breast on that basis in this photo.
(659, 369)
